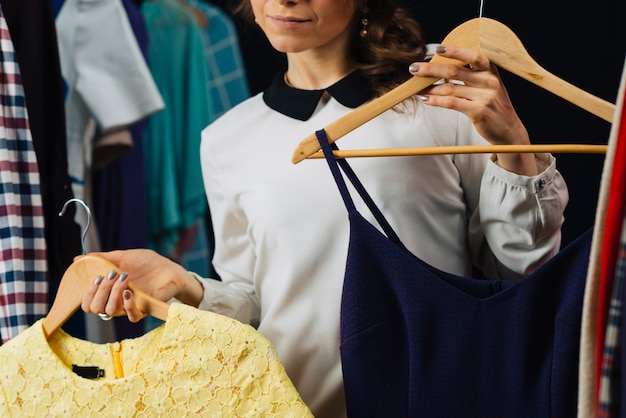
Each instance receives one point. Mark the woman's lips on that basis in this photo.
(288, 22)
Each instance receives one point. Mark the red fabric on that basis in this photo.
(610, 243)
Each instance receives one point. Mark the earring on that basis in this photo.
(364, 23)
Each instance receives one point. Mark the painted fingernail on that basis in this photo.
(441, 49)
(123, 276)
(98, 280)
(414, 68)
(126, 294)
(423, 98)
(111, 275)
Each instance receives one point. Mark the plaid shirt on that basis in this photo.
(610, 385)
(23, 266)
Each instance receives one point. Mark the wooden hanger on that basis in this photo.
(79, 276)
(467, 149)
(494, 40)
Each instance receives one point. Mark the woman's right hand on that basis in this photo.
(150, 272)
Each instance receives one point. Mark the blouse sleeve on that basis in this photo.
(517, 225)
(234, 259)
(514, 220)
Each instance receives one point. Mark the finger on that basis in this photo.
(459, 75)
(132, 311)
(115, 305)
(475, 60)
(461, 91)
(449, 102)
(440, 71)
(100, 299)
(89, 295)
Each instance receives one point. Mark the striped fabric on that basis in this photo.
(616, 205)
(610, 384)
(23, 266)
(609, 376)
(592, 343)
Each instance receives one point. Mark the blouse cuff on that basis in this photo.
(546, 164)
(232, 301)
(205, 303)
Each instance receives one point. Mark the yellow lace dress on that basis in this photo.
(196, 363)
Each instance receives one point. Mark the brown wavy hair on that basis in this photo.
(393, 41)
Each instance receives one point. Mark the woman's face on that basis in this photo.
(301, 25)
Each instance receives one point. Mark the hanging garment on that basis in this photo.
(609, 401)
(196, 364)
(122, 222)
(611, 240)
(32, 28)
(227, 81)
(619, 388)
(227, 85)
(23, 257)
(612, 261)
(175, 193)
(107, 77)
(599, 276)
(416, 341)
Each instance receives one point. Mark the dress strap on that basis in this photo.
(334, 165)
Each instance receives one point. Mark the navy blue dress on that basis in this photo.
(419, 342)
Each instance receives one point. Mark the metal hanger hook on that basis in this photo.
(84, 234)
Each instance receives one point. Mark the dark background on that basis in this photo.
(583, 44)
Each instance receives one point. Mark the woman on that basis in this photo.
(281, 229)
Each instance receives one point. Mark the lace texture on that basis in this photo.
(195, 364)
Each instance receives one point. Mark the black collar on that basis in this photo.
(351, 91)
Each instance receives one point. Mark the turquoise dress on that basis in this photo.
(175, 192)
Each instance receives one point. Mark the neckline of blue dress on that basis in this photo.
(478, 289)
